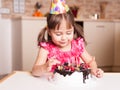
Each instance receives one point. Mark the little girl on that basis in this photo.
(62, 41)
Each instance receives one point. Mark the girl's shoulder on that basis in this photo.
(47, 45)
(78, 45)
(78, 41)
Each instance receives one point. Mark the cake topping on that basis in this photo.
(68, 69)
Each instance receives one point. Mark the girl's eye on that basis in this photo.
(68, 33)
(58, 34)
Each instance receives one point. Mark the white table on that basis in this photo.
(21, 80)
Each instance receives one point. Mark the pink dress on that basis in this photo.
(72, 56)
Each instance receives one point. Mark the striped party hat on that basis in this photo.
(58, 7)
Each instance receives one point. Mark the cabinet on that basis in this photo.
(116, 66)
(25, 49)
(100, 42)
(5, 47)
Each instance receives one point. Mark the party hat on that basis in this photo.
(58, 7)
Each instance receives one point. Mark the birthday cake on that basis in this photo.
(74, 81)
(73, 76)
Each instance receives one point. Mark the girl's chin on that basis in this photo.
(63, 45)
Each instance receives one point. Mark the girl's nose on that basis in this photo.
(63, 37)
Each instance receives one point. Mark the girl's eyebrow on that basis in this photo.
(57, 31)
(70, 29)
(60, 30)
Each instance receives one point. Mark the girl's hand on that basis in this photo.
(97, 72)
(52, 62)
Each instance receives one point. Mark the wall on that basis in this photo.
(0, 3)
(86, 8)
(0, 7)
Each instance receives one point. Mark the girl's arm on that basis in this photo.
(90, 60)
(43, 66)
(40, 66)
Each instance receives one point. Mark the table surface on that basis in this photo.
(20, 80)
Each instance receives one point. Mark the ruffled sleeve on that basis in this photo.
(45, 45)
(50, 47)
(78, 45)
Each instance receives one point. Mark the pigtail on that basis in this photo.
(42, 37)
(79, 32)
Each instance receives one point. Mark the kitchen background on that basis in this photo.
(86, 7)
(19, 30)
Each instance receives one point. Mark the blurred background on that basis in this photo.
(22, 20)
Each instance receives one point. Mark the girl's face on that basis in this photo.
(63, 36)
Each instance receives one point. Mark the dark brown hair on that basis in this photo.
(54, 20)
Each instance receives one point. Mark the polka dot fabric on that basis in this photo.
(58, 7)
